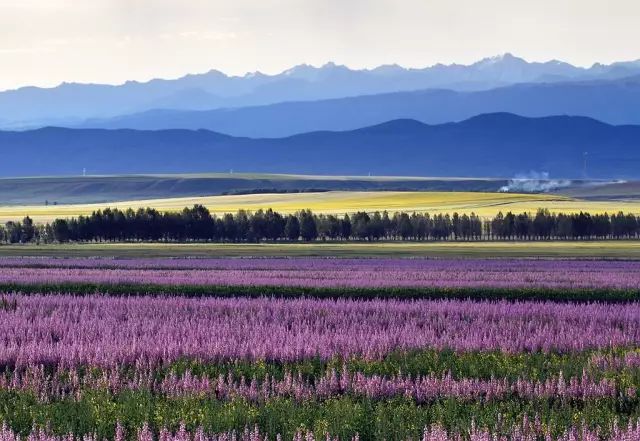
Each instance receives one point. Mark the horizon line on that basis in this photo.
(329, 63)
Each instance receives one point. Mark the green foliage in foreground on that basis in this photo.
(344, 416)
(479, 293)
(98, 410)
(536, 366)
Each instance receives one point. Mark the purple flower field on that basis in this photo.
(422, 389)
(105, 331)
(524, 432)
(318, 272)
(329, 368)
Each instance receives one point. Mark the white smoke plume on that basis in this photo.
(534, 182)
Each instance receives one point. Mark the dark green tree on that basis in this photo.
(292, 228)
(308, 227)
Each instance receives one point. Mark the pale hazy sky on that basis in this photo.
(45, 42)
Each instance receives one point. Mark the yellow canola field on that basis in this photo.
(340, 202)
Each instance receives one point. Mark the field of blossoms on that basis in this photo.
(523, 279)
(208, 349)
(332, 273)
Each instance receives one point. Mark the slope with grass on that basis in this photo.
(109, 188)
(570, 249)
(624, 190)
(339, 202)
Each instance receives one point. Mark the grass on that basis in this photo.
(590, 249)
(340, 202)
(292, 292)
(93, 189)
(614, 190)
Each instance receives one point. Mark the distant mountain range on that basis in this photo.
(611, 101)
(491, 145)
(71, 104)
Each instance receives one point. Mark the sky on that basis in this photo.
(46, 42)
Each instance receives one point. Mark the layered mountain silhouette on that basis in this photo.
(491, 145)
(611, 101)
(72, 103)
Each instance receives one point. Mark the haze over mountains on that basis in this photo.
(611, 101)
(492, 145)
(72, 104)
(497, 118)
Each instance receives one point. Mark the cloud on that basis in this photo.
(46, 46)
(205, 35)
(534, 182)
(114, 40)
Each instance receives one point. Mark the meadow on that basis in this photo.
(484, 204)
(105, 188)
(250, 349)
(619, 249)
(328, 273)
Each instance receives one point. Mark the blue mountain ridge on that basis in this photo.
(72, 103)
(611, 101)
(489, 145)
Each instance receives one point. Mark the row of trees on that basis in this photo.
(197, 224)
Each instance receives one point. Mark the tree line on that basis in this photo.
(198, 224)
